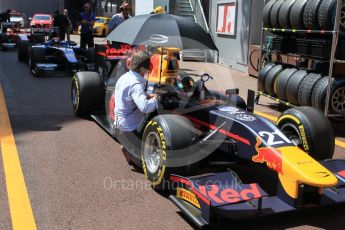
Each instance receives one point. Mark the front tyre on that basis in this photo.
(163, 139)
(309, 129)
(86, 93)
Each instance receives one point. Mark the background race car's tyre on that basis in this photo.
(91, 58)
(274, 17)
(4, 38)
(262, 76)
(326, 14)
(37, 56)
(271, 77)
(164, 135)
(281, 82)
(284, 14)
(87, 93)
(23, 50)
(296, 14)
(267, 13)
(310, 14)
(318, 95)
(306, 88)
(310, 130)
(293, 85)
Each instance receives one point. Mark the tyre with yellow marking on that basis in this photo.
(87, 93)
(309, 129)
(164, 140)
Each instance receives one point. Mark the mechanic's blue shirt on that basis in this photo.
(86, 28)
(131, 103)
(116, 20)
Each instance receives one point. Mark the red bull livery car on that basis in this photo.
(218, 159)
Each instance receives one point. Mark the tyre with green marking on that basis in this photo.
(164, 139)
(310, 130)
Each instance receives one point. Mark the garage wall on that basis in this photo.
(233, 50)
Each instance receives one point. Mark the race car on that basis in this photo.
(218, 158)
(41, 21)
(55, 56)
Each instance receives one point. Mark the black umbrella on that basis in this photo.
(162, 30)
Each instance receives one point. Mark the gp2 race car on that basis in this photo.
(55, 56)
(257, 168)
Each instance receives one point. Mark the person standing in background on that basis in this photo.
(117, 19)
(61, 22)
(69, 27)
(5, 17)
(87, 20)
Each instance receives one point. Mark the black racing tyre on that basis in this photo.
(275, 11)
(23, 50)
(281, 82)
(326, 14)
(293, 85)
(267, 12)
(36, 56)
(296, 14)
(163, 137)
(91, 55)
(87, 93)
(284, 14)
(262, 76)
(309, 129)
(3, 38)
(306, 88)
(271, 77)
(310, 14)
(319, 93)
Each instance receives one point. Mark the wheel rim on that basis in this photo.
(342, 17)
(338, 100)
(292, 133)
(153, 153)
(74, 96)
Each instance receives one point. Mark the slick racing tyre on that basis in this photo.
(306, 88)
(271, 77)
(87, 93)
(164, 135)
(267, 13)
(262, 76)
(274, 17)
(91, 59)
(23, 50)
(284, 14)
(310, 14)
(293, 85)
(37, 56)
(281, 82)
(309, 129)
(296, 14)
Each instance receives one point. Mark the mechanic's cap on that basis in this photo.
(125, 6)
(139, 59)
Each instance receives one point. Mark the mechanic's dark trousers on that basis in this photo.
(86, 39)
(62, 33)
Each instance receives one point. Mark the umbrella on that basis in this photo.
(162, 30)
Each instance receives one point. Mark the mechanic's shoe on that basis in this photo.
(127, 156)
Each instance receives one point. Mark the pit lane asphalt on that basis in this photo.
(76, 175)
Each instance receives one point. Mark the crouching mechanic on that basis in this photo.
(132, 104)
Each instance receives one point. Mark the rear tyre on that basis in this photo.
(91, 59)
(23, 50)
(306, 88)
(86, 93)
(164, 135)
(309, 129)
(293, 85)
